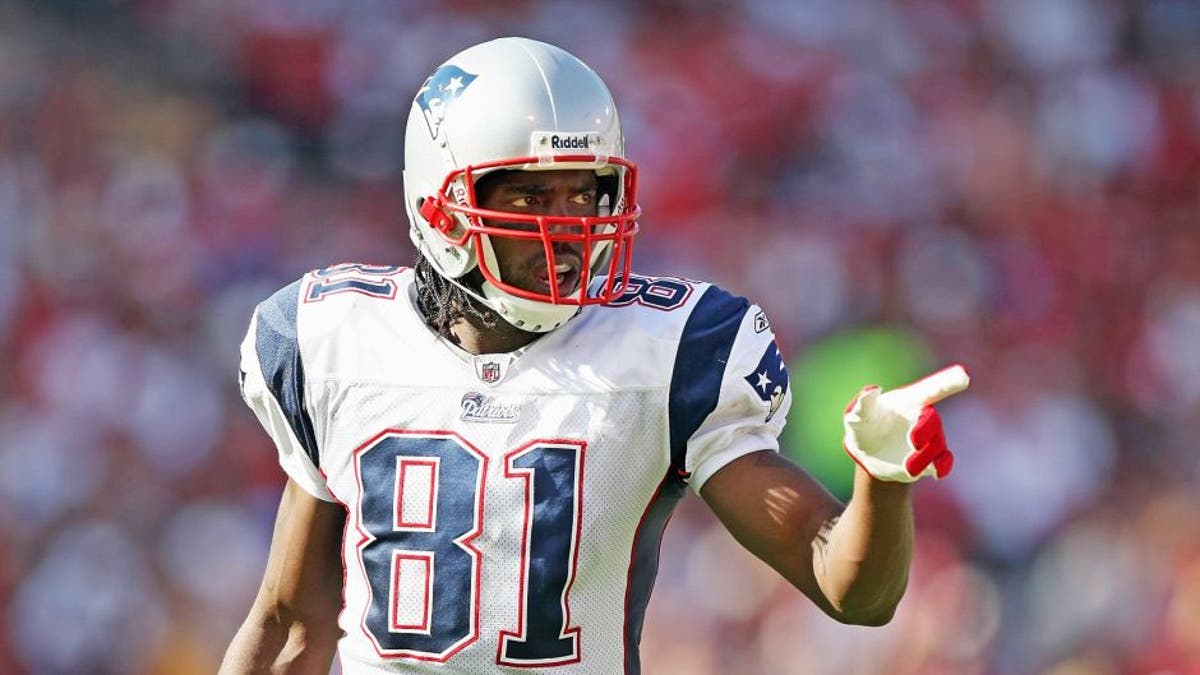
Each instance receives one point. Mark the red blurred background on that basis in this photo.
(1010, 184)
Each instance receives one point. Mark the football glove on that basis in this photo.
(897, 435)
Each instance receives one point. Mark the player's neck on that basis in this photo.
(475, 338)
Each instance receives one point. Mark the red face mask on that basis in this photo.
(604, 242)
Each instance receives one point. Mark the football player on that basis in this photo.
(483, 450)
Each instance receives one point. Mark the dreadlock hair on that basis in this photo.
(443, 303)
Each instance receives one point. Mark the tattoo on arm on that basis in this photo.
(820, 547)
(822, 539)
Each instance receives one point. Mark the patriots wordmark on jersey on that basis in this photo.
(506, 509)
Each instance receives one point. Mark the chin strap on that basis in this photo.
(528, 315)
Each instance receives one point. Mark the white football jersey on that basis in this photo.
(505, 510)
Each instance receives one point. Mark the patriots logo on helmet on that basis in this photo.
(769, 379)
(443, 86)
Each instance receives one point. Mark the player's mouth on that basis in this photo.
(566, 276)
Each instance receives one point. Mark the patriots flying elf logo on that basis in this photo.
(769, 379)
(443, 86)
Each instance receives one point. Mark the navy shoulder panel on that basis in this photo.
(704, 349)
(279, 358)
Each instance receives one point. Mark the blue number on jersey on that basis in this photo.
(441, 545)
(369, 280)
(436, 617)
(665, 293)
(553, 473)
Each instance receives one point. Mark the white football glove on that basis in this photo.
(897, 435)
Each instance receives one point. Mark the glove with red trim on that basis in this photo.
(897, 435)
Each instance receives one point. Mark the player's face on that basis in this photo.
(570, 192)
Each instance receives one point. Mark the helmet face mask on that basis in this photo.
(604, 241)
(516, 104)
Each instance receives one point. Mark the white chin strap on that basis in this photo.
(529, 315)
(534, 316)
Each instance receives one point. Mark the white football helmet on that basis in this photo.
(515, 103)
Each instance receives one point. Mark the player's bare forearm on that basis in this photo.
(277, 645)
(292, 627)
(851, 561)
(861, 557)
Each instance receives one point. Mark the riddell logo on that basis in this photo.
(570, 142)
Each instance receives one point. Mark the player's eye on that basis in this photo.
(524, 202)
(584, 198)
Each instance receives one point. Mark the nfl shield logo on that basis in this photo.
(491, 368)
(489, 372)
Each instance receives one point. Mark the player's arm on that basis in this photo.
(852, 561)
(292, 626)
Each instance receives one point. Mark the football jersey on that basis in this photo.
(505, 510)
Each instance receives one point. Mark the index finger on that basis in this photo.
(935, 387)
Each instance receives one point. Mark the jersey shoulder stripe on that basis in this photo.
(704, 347)
(278, 348)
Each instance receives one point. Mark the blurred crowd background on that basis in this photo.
(1009, 184)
